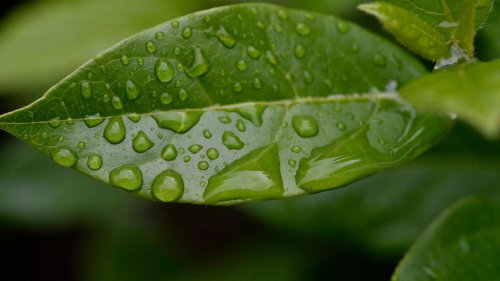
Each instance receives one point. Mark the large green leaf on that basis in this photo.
(442, 30)
(236, 103)
(472, 91)
(462, 244)
(43, 41)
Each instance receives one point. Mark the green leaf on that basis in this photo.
(43, 41)
(194, 109)
(462, 244)
(432, 29)
(471, 91)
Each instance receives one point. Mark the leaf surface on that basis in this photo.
(462, 244)
(231, 104)
(471, 91)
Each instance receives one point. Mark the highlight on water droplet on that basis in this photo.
(168, 186)
(115, 130)
(305, 126)
(164, 71)
(141, 143)
(86, 89)
(94, 162)
(65, 157)
(128, 177)
(232, 141)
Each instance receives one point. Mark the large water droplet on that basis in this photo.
(132, 91)
(128, 177)
(115, 130)
(195, 148)
(65, 157)
(302, 29)
(169, 152)
(305, 126)
(232, 141)
(200, 64)
(212, 153)
(142, 143)
(86, 89)
(164, 71)
(94, 162)
(93, 120)
(179, 122)
(223, 36)
(168, 186)
(203, 165)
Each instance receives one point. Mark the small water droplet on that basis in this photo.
(343, 27)
(278, 28)
(142, 143)
(300, 51)
(44, 136)
(232, 141)
(134, 117)
(305, 126)
(105, 98)
(292, 163)
(168, 186)
(174, 24)
(183, 95)
(240, 125)
(380, 60)
(128, 177)
(187, 32)
(115, 130)
(159, 35)
(55, 122)
(282, 15)
(116, 103)
(225, 119)
(242, 65)
(169, 152)
(296, 149)
(94, 162)
(253, 52)
(237, 87)
(223, 36)
(82, 145)
(140, 61)
(132, 91)
(186, 158)
(207, 134)
(70, 121)
(308, 77)
(195, 148)
(212, 153)
(86, 89)
(125, 60)
(164, 71)
(93, 120)
(302, 29)
(271, 58)
(166, 98)
(257, 84)
(261, 25)
(65, 157)
(150, 47)
(200, 65)
(203, 165)
(342, 126)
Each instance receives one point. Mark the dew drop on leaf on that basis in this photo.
(253, 52)
(115, 130)
(159, 35)
(242, 65)
(141, 143)
(125, 60)
(232, 141)
(195, 148)
(343, 27)
(187, 158)
(94, 162)
(169, 152)
(237, 87)
(65, 157)
(128, 177)
(150, 47)
(164, 71)
(117, 103)
(86, 89)
(299, 51)
(240, 125)
(207, 134)
(166, 98)
(93, 120)
(132, 91)
(380, 60)
(305, 126)
(174, 24)
(257, 84)
(302, 29)
(225, 119)
(203, 165)
(296, 149)
(212, 153)
(55, 122)
(168, 186)
(187, 32)
(200, 65)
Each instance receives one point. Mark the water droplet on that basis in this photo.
(282, 15)
(105, 98)
(142, 143)
(225, 119)
(166, 98)
(271, 58)
(242, 65)
(292, 163)
(168, 186)
(132, 91)
(86, 89)
(232, 141)
(207, 18)
(305, 126)
(195, 148)
(302, 29)
(65, 157)
(128, 177)
(164, 71)
(174, 24)
(278, 28)
(183, 95)
(55, 122)
(253, 52)
(125, 60)
(343, 27)
(207, 134)
(341, 126)
(380, 60)
(257, 84)
(296, 149)
(70, 121)
(134, 117)
(200, 64)
(308, 77)
(223, 36)
(115, 130)
(186, 158)
(187, 32)
(93, 120)
(177, 51)
(261, 25)
(116, 103)
(82, 145)
(237, 87)
(44, 135)
(159, 35)
(240, 125)
(203, 165)
(169, 152)
(150, 47)
(94, 162)
(300, 51)
(140, 61)
(252, 114)
(179, 122)
(212, 153)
